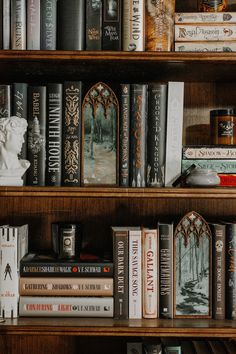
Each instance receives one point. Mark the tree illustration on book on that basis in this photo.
(192, 260)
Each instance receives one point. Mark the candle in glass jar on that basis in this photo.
(223, 128)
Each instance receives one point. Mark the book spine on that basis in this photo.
(1, 27)
(48, 306)
(230, 288)
(218, 270)
(205, 17)
(159, 20)
(48, 25)
(134, 347)
(135, 274)
(133, 25)
(6, 24)
(227, 180)
(71, 27)
(18, 24)
(33, 24)
(124, 135)
(9, 289)
(71, 132)
(54, 134)
(36, 135)
(156, 125)
(213, 153)
(139, 104)
(37, 269)
(66, 287)
(219, 166)
(93, 25)
(166, 269)
(121, 263)
(213, 46)
(19, 109)
(186, 32)
(5, 101)
(150, 273)
(174, 131)
(111, 28)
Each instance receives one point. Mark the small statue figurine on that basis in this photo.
(12, 168)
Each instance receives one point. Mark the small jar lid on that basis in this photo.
(223, 112)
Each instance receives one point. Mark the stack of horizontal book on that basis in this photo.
(65, 288)
(205, 32)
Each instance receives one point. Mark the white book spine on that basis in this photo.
(210, 32)
(135, 274)
(18, 24)
(174, 131)
(213, 46)
(66, 306)
(205, 17)
(33, 24)
(133, 25)
(150, 273)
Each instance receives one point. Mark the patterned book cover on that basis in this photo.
(124, 149)
(54, 134)
(133, 26)
(71, 133)
(138, 135)
(36, 141)
(159, 20)
(48, 24)
(33, 25)
(230, 287)
(156, 126)
(93, 25)
(18, 24)
(111, 25)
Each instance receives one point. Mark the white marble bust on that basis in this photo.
(12, 168)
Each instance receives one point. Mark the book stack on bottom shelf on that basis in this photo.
(65, 288)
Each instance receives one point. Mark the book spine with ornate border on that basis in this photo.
(124, 135)
(230, 287)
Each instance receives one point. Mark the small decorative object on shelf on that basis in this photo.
(213, 5)
(66, 240)
(201, 177)
(12, 130)
(222, 122)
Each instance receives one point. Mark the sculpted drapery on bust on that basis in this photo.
(12, 132)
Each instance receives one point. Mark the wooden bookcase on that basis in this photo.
(210, 82)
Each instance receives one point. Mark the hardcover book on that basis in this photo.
(208, 46)
(93, 25)
(138, 135)
(156, 126)
(5, 101)
(111, 25)
(212, 152)
(205, 32)
(1, 27)
(227, 179)
(36, 135)
(230, 284)
(13, 246)
(120, 236)
(205, 17)
(47, 265)
(174, 131)
(134, 347)
(218, 270)
(59, 286)
(54, 134)
(124, 148)
(150, 273)
(48, 25)
(71, 24)
(219, 166)
(33, 24)
(6, 20)
(66, 306)
(100, 113)
(71, 133)
(18, 24)
(133, 25)
(159, 20)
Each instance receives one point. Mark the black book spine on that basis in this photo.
(165, 269)
(71, 127)
(53, 134)
(111, 29)
(36, 135)
(93, 25)
(230, 290)
(124, 135)
(138, 119)
(71, 24)
(218, 270)
(48, 25)
(156, 134)
(5, 101)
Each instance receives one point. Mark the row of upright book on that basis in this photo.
(87, 25)
(102, 134)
